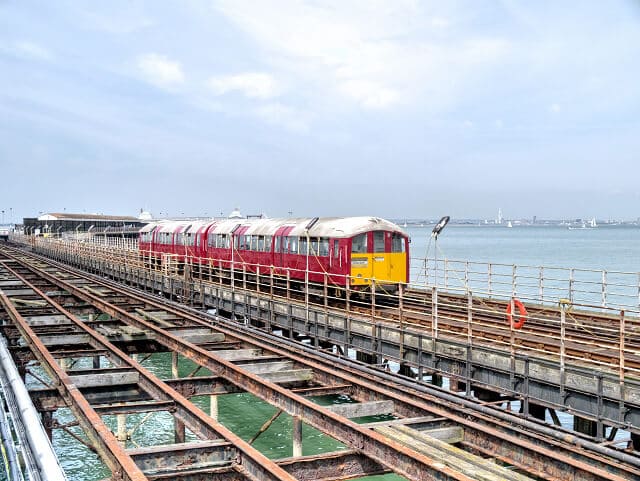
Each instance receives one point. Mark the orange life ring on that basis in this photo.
(522, 313)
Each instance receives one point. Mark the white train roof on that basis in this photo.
(172, 226)
(339, 227)
(323, 227)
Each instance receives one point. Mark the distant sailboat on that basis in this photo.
(509, 224)
(593, 223)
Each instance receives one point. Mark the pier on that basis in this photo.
(81, 317)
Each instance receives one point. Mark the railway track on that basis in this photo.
(534, 450)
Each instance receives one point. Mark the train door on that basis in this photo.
(361, 265)
(380, 246)
(280, 248)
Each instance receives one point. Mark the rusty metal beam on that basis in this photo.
(121, 465)
(395, 456)
(254, 462)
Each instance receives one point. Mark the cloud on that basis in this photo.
(376, 55)
(31, 50)
(160, 71)
(251, 84)
(370, 95)
(284, 116)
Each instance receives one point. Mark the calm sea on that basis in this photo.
(604, 247)
(610, 248)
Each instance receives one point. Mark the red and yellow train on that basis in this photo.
(353, 251)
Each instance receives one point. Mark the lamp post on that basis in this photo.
(435, 233)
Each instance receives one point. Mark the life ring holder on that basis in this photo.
(522, 313)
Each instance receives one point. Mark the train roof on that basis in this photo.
(323, 227)
(172, 226)
(335, 227)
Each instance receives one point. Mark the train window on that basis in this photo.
(314, 246)
(378, 241)
(277, 244)
(397, 243)
(267, 243)
(211, 240)
(336, 248)
(302, 245)
(293, 245)
(260, 243)
(324, 247)
(359, 244)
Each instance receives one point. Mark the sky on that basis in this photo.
(398, 109)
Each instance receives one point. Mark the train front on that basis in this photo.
(379, 255)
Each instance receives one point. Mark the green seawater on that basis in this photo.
(242, 413)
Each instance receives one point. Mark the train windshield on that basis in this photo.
(397, 243)
(359, 244)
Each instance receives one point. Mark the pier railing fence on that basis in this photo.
(590, 288)
(575, 317)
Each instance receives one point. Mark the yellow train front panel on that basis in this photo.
(385, 267)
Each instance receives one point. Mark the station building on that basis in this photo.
(56, 224)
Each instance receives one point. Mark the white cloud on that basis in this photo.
(250, 84)
(278, 114)
(28, 49)
(370, 95)
(378, 55)
(160, 71)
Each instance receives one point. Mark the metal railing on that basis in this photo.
(594, 289)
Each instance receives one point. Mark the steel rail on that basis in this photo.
(575, 463)
(393, 455)
(114, 455)
(257, 464)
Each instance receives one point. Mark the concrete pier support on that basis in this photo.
(585, 426)
(121, 430)
(179, 431)
(537, 411)
(213, 406)
(174, 365)
(65, 362)
(405, 370)
(47, 423)
(297, 436)
(486, 395)
(457, 386)
(365, 357)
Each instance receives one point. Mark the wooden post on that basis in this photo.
(121, 433)
(213, 406)
(297, 436)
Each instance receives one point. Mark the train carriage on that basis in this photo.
(357, 251)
